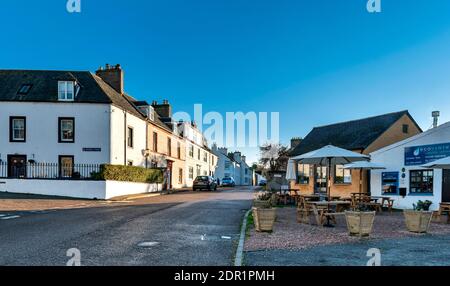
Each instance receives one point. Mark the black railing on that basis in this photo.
(49, 171)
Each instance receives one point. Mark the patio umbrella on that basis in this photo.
(439, 164)
(363, 165)
(290, 172)
(330, 156)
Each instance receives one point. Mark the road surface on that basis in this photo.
(181, 230)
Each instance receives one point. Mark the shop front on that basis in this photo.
(405, 178)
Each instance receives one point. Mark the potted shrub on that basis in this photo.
(419, 218)
(263, 213)
(360, 221)
(262, 200)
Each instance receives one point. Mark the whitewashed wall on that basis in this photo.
(118, 141)
(116, 189)
(393, 158)
(92, 127)
(77, 189)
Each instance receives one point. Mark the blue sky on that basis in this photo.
(316, 62)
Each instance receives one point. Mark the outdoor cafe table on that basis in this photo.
(385, 201)
(340, 207)
(288, 194)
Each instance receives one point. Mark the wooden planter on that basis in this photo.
(264, 219)
(417, 221)
(360, 223)
(262, 204)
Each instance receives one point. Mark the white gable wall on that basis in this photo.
(120, 122)
(91, 131)
(393, 158)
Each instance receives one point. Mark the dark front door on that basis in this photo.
(66, 164)
(17, 166)
(320, 180)
(446, 186)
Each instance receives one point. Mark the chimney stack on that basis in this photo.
(435, 115)
(164, 109)
(295, 142)
(112, 75)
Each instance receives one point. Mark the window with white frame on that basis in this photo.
(191, 173)
(191, 151)
(66, 130)
(130, 137)
(17, 129)
(342, 176)
(421, 181)
(303, 174)
(66, 90)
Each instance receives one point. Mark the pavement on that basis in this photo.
(428, 250)
(10, 202)
(181, 229)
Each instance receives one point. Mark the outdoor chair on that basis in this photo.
(303, 214)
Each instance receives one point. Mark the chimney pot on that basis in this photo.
(112, 76)
(296, 141)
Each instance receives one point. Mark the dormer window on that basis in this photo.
(66, 90)
(151, 113)
(24, 89)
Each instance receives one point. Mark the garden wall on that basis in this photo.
(101, 190)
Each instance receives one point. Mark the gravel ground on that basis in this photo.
(408, 251)
(290, 235)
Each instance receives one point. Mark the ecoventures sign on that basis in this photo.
(421, 155)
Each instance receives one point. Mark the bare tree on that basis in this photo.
(274, 157)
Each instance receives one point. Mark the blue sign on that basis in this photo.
(92, 149)
(390, 182)
(421, 155)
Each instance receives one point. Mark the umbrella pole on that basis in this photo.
(328, 180)
(328, 192)
(360, 180)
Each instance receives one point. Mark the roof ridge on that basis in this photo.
(41, 70)
(361, 119)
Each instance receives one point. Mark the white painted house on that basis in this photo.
(67, 118)
(200, 160)
(233, 165)
(405, 179)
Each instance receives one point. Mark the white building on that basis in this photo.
(67, 118)
(200, 160)
(233, 165)
(405, 180)
(225, 165)
(76, 117)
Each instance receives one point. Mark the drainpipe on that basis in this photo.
(146, 143)
(124, 138)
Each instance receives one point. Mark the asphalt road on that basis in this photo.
(184, 229)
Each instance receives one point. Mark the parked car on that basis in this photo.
(262, 183)
(228, 182)
(205, 183)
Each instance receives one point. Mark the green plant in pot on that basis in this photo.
(263, 213)
(360, 221)
(419, 218)
(262, 200)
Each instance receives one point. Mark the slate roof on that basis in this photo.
(157, 120)
(350, 135)
(44, 88)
